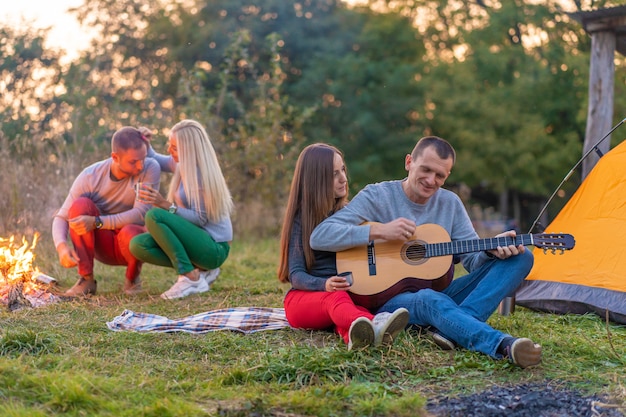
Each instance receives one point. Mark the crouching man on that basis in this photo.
(101, 214)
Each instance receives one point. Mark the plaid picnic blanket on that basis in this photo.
(240, 319)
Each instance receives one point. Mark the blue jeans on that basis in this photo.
(460, 311)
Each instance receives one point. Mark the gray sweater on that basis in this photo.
(386, 201)
(115, 199)
(324, 265)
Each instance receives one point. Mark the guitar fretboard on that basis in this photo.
(476, 245)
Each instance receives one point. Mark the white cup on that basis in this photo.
(142, 186)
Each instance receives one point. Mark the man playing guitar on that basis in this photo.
(454, 310)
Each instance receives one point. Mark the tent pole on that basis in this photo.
(594, 148)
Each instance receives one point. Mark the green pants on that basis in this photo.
(175, 242)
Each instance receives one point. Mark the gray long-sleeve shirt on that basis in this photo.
(115, 199)
(324, 265)
(386, 201)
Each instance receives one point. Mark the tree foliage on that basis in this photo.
(505, 82)
(29, 78)
(510, 103)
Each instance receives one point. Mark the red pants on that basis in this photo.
(322, 310)
(107, 246)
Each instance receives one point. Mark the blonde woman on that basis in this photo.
(189, 230)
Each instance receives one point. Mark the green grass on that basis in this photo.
(62, 359)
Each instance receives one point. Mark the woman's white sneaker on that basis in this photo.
(184, 287)
(388, 325)
(210, 276)
(361, 333)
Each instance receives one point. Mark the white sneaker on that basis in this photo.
(184, 287)
(210, 276)
(388, 325)
(361, 333)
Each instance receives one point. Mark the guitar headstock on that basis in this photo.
(554, 242)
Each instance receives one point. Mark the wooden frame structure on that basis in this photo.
(607, 28)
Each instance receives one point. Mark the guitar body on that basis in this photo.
(384, 269)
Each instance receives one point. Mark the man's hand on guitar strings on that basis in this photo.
(398, 229)
(503, 252)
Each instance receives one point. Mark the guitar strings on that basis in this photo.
(416, 251)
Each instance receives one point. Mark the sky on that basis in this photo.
(65, 31)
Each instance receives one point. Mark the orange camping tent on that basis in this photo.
(592, 276)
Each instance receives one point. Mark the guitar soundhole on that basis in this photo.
(414, 252)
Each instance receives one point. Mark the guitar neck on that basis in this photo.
(466, 246)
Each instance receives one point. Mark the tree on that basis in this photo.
(505, 82)
(30, 114)
(363, 86)
(29, 77)
(160, 64)
(258, 152)
(370, 93)
(508, 95)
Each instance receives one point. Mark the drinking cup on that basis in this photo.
(348, 276)
(141, 186)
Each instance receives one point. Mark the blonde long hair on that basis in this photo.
(312, 195)
(199, 171)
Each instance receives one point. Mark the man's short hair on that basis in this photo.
(127, 138)
(442, 147)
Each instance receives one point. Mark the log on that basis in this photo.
(16, 299)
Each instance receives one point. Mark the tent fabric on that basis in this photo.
(560, 298)
(592, 276)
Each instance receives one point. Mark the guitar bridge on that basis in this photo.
(371, 258)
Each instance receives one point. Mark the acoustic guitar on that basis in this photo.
(383, 269)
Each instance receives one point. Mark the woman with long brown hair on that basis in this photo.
(318, 298)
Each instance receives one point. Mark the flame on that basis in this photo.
(17, 274)
(16, 262)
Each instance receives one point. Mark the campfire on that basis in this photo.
(21, 284)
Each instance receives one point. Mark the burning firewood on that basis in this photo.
(16, 299)
(21, 285)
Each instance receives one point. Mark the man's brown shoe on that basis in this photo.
(132, 287)
(524, 352)
(82, 287)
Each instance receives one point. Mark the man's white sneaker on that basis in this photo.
(184, 287)
(210, 276)
(388, 325)
(361, 333)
